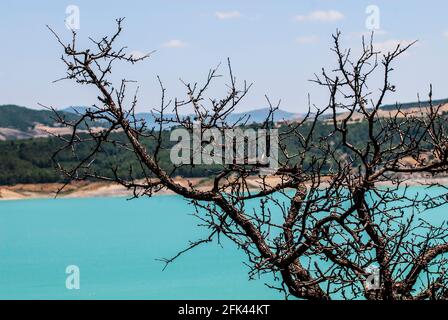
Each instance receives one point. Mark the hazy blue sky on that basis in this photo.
(278, 45)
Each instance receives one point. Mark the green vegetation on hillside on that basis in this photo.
(21, 118)
(30, 161)
(410, 105)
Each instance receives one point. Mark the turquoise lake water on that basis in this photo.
(115, 243)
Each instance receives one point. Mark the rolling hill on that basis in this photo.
(257, 115)
(18, 123)
(29, 160)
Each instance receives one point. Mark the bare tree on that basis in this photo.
(335, 208)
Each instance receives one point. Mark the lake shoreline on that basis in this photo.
(111, 190)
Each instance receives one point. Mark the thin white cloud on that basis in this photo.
(445, 34)
(307, 39)
(321, 16)
(175, 44)
(225, 15)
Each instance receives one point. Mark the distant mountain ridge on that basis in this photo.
(22, 118)
(410, 105)
(17, 122)
(257, 115)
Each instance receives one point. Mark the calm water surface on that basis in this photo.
(115, 243)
